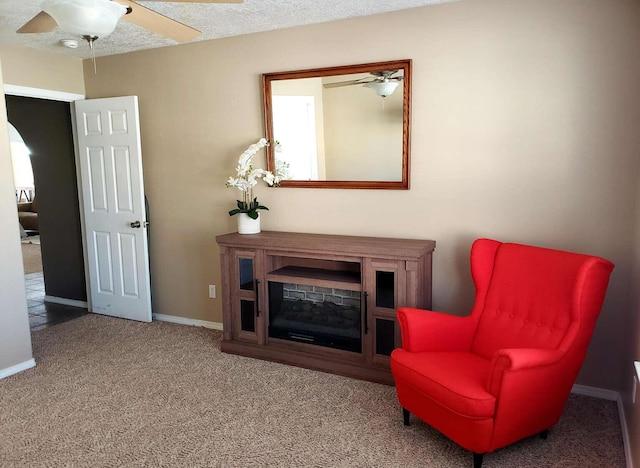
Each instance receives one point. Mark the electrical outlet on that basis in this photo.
(212, 291)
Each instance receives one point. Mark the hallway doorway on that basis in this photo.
(51, 239)
(45, 126)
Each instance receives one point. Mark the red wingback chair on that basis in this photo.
(505, 371)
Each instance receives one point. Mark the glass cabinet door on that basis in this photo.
(247, 316)
(384, 280)
(246, 276)
(385, 332)
(385, 289)
(246, 296)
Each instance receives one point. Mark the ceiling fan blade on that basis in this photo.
(344, 83)
(158, 23)
(42, 22)
(200, 1)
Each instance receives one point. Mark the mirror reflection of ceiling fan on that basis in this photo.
(91, 19)
(383, 82)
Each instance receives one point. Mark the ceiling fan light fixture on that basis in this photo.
(383, 88)
(85, 17)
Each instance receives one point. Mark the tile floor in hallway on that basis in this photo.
(44, 314)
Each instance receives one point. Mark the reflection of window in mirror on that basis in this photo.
(294, 125)
(22, 170)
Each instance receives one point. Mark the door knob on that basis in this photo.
(135, 224)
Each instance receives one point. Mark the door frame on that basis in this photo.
(40, 93)
(52, 95)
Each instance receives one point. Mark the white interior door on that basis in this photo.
(115, 222)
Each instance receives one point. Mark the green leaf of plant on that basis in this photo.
(234, 212)
(253, 214)
(262, 207)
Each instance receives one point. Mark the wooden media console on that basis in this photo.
(323, 302)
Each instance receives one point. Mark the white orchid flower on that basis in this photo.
(245, 159)
(248, 177)
(269, 178)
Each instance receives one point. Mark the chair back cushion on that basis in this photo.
(534, 295)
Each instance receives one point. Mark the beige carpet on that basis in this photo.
(31, 258)
(110, 392)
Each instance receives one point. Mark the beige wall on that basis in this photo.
(33, 69)
(524, 122)
(15, 337)
(37, 69)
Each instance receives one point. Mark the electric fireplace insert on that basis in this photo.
(315, 315)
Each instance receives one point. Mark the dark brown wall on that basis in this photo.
(45, 127)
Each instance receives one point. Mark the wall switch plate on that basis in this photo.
(212, 291)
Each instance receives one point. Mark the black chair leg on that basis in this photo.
(544, 434)
(405, 416)
(477, 459)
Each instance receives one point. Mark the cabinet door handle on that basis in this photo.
(257, 298)
(366, 312)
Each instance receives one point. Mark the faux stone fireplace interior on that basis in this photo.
(317, 315)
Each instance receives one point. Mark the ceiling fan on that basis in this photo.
(91, 19)
(383, 82)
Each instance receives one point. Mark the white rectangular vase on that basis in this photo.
(247, 225)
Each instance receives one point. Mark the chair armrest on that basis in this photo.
(426, 330)
(24, 206)
(518, 360)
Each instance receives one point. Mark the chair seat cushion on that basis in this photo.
(456, 380)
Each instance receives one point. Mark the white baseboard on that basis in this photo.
(626, 442)
(595, 392)
(187, 321)
(17, 368)
(64, 301)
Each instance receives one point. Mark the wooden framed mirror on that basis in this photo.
(341, 127)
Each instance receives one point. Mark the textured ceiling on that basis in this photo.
(214, 20)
